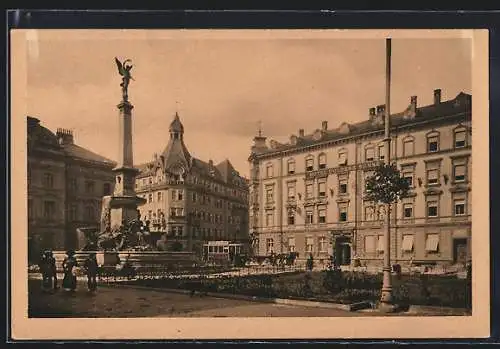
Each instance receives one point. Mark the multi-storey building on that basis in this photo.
(65, 186)
(191, 200)
(308, 195)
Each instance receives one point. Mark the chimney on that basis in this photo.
(413, 102)
(380, 109)
(301, 132)
(64, 136)
(372, 112)
(324, 125)
(437, 96)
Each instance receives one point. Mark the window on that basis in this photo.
(269, 195)
(342, 158)
(433, 170)
(309, 217)
(432, 243)
(291, 244)
(89, 213)
(322, 161)
(291, 191)
(309, 163)
(150, 198)
(343, 213)
(49, 209)
(180, 194)
(159, 196)
(174, 194)
(269, 219)
(407, 210)
(322, 188)
(73, 185)
(432, 209)
(369, 153)
(48, 180)
(73, 213)
(106, 189)
(432, 143)
(460, 138)
(407, 244)
(291, 218)
(322, 244)
(309, 190)
(369, 210)
(459, 171)
(269, 246)
(194, 197)
(408, 147)
(309, 244)
(291, 166)
(459, 205)
(321, 214)
(343, 186)
(408, 176)
(381, 152)
(269, 171)
(370, 244)
(380, 243)
(89, 187)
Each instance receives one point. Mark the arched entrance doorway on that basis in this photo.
(342, 250)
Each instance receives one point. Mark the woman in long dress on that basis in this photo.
(69, 264)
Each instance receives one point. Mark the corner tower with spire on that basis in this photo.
(191, 202)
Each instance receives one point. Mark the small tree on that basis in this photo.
(386, 185)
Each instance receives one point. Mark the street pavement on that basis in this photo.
(129, 302)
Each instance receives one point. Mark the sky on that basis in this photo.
(222, 86)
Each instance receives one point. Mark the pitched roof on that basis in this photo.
(457, 105)
(78, 152)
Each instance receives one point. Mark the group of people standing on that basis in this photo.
(48, 269)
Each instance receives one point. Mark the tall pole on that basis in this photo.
(386, 294)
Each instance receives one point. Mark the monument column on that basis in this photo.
(123, 204)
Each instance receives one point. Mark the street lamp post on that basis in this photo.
(386, 292)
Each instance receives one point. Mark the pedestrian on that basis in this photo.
(53, 269)
(69, 264)
(45, 271)
(91, 271)
(310, 262)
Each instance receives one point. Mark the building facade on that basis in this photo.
(191, 201)
(66, 183)
(308, 196)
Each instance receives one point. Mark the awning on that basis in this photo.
(432, 242)
(407, 245)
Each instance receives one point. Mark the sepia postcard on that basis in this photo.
(249, 184)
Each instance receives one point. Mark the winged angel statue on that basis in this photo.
(124, 70)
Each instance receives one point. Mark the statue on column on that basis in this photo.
(124, 71)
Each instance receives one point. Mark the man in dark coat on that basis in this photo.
(91, 270)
